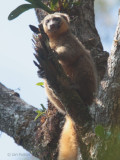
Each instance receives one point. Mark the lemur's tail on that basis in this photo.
(68, 146)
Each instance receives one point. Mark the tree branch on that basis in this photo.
(110, 86)
(107, 107)
(17, 120)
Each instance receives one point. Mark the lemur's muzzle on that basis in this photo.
(53, 26)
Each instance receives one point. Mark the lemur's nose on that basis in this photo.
(52, 26)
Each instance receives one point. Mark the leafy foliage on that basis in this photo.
(99, 131)
(110, 143)
(32, 4)
(109, 148)
(40, 84)
(19, 10)
(63, 5)
(53, 4)
(50, 7)
(40, 112)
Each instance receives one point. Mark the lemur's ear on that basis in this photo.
(66, 17)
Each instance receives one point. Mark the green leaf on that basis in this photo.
(19, 10)
(43, 108)
(76, 3)
(36, 117)
(39, 4)
(39, 113)
(119, 137)
(31, 1)
(53, 3)
(40, 84)
(99, 131)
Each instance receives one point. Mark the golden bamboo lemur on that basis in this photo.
(78, 65)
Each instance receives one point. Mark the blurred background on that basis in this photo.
(17, 70)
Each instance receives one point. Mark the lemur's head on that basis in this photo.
(56, 24)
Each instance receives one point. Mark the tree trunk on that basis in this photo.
(41, 137)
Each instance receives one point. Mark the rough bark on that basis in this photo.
(41, 138)
(17, 119)
(107, 107)
(109, 92)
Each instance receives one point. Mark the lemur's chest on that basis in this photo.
(54, 45)
(63, 53)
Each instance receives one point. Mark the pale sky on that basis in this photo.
(16, 53)
(16, 67)
(16, 64)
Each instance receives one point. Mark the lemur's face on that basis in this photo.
(55, 23)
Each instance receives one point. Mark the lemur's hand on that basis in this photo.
(53, 55)
(34, 29)
(41, 72)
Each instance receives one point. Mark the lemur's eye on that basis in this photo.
(56, 19)
(47, 21)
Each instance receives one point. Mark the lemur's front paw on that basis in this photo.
(34, 29)
(41, 72)
(53, 55)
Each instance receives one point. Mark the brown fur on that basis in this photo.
(78, 65)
